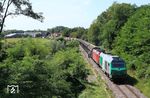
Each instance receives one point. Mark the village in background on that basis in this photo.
(34, 34)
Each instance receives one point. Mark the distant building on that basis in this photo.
(10, 35)
(26, 33)
(56, 34)
(14, 35)
(32, 34)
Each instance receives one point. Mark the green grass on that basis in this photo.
(96, 89)
(15, 40)
(12, 40)
(142, 84)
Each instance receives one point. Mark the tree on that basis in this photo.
(93, 33)
(20, 7)
(132, 43)
(106, 27)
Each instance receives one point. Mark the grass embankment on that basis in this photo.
(144, 87)
(142, 84)
(97, 88)
(14, 40)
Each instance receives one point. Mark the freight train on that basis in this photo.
(113, 66)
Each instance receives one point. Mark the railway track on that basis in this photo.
(119, 90)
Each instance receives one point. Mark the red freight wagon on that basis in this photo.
(95, 54)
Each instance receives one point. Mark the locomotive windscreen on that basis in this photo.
(118, 64)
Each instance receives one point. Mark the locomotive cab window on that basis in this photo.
(118, 64)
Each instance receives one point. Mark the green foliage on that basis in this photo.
(66, 32)
(28, 47)
(144, 85)
(95, 90)
(93, 33)
(57, 29)
(56, 45)
(72, 44)
(43, 69)
(71, 62)
(3, 53)
(77, 32)
(107, 25)
(133, 40)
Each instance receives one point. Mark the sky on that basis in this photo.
(69, 13)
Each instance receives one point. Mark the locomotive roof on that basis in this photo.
(98, 49)
(110, 58)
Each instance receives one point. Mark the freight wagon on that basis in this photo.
(95, 54)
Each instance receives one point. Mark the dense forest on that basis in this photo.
(42, 68)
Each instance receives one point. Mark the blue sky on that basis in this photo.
(69, 13)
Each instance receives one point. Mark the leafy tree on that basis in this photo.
(66, 32)
(132, 43)
(22, 7)
(71, 69)
(56, 45)
(57, 29)
(93, 33)
(105, 28)
(77, 32)
(43, 69)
